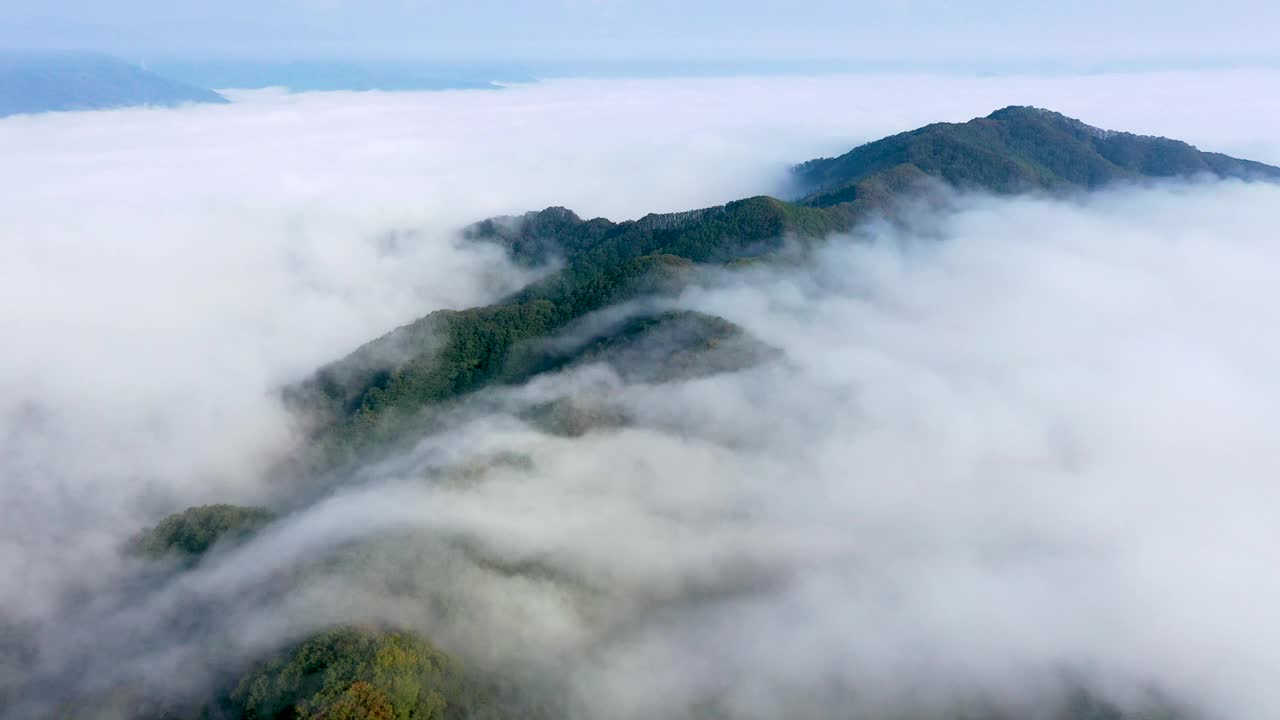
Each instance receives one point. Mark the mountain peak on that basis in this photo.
(1014, 149)
(1033, 114)
(1027, 111)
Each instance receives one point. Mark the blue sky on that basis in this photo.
(1001, 34)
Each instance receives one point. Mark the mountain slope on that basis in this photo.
(1012, 150)
(43, 82)
(363, 399)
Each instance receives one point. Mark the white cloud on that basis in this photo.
(1022, 425)
(1038, 448)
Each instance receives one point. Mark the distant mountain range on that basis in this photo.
(32, 82)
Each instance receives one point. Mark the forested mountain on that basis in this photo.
(365, 398)
(1014, 150)
(401, 384)
(48, 82)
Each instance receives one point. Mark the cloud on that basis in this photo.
(1046, 445)
(1021, 444)
(1032, 453)
(1039, 444)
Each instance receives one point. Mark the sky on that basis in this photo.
(569, 35)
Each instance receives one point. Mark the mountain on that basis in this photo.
(50, 82)
(364, 400)
(1015, 149)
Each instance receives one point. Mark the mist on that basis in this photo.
(1009, 445)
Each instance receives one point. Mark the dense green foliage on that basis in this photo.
(358, 674)
(1013, 150)
(650, 348)
(361, 400)
(657, 348)
(193, 531)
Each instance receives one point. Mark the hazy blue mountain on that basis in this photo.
(45, 82)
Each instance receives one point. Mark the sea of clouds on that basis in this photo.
(1036, 449)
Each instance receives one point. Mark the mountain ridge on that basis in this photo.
(1014, 149)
